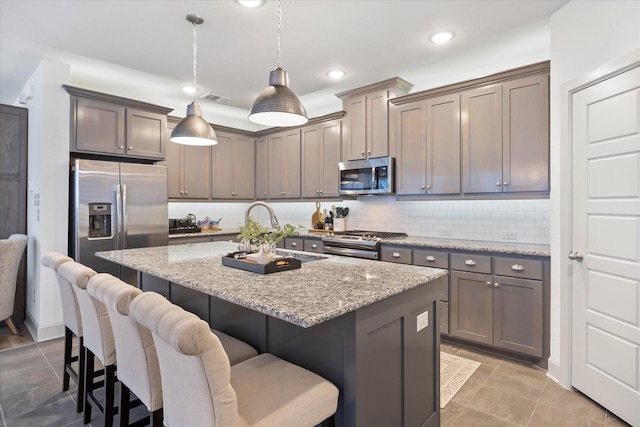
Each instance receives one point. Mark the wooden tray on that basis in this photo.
(279, 264)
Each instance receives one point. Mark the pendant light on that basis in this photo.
(193, 129)
(277, 105)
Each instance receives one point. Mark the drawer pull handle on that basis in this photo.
(294, 244)
(314, 246)
(517, 267)
(430, 258)
(396, 255)
(470, 262)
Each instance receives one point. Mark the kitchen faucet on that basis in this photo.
(246, 246)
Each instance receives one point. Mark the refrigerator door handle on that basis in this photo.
(119, 227)
(124, 214)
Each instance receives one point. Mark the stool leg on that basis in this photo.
(68, 341)
(81, 374)
(109, 394)
(125, 396)
(156, 418)
(88, 384)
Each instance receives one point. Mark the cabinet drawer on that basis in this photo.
(312, 245)
(514, 267)
(431, 258)
(294, 243)
(473, 263)
(394, 254)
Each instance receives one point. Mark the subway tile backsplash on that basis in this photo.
(518, 221)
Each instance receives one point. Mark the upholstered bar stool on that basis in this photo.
(72, 327)
(98, 342)
(200, 387)
(11, 251)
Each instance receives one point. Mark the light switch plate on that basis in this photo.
(422, 321)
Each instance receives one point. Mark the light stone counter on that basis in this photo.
(474, 245)
(318, 291)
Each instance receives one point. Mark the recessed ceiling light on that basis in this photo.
(442, 37)
(336, 74)
(251, 3)
(189, 90)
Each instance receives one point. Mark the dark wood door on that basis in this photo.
(13, 189)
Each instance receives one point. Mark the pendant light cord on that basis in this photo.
(279, 22)
(195, 62)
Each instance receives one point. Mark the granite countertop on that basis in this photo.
(475, 245)
(206, 232)
(317, 292)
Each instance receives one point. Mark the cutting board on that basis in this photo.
(317, 215)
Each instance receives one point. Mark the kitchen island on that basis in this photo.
(369, 327)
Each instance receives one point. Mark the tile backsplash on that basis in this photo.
(518, 221)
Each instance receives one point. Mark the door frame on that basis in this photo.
(562, 371)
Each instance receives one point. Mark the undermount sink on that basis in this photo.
(302, 256)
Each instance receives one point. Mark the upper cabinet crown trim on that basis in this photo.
(400, 84)
(129, 103)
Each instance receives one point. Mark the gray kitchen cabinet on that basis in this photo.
(366, 123)
(320, 157)
(233, 167)
(471, 306)
(396, 254)
(314, 245)
(262, 168)
(197, 238)
(115, 126)
(284, 165)
(295, 243)
(505, 137)
(427, 146)
(188, 169)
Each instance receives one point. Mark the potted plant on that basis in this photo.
(264, 238)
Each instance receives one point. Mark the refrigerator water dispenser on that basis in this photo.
(100, 220)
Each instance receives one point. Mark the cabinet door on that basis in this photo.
(355, 128)
(277, 164)
(100, 127)
(471, 306)
(146, 134)
(262, 176)
(482, 140)
(331, 141)
(518, 315)
(174, 169)
(244, 168)
(526, 134)
(311, 162)
(196, 172)
(443, 145)
(378, 124)
(410, 139)
(222, 160)
(292, 164)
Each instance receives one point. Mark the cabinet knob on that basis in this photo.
(181, 191)
(362, 152)
(488, 284)
(121, 147)
(294, 244)
(314, 246)
(186, 192)
(428, 187)
(517, 267)
(495, 285)
(320, 191)
(265, 194)
(498, 184)
(369, 152)
(396, 255)
(423, 187)
(506, 183)
(130, 148)
(470, 262)
(430, 258)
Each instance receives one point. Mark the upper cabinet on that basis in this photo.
(366, 122)
(505, 137)
(284, 164)
(320, 158)
(115, 126)
(188, 169)
(262, 168)
(427, 142)
(233, 164)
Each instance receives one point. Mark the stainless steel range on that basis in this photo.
(357, 243)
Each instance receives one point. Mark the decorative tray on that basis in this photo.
(240, 260)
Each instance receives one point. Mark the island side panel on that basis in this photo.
(239, 322)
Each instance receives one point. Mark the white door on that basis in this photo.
(606, 244)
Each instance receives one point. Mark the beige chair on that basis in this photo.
(137, 362)
(200, 387)
(11, 251)
(72, 327)
(98, 342)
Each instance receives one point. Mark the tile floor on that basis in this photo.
(499, 393)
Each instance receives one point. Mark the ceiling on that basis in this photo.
(143, 49)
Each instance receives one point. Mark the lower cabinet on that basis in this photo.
(304, 244)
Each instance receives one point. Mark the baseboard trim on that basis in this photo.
(555, 372)
(44, 333)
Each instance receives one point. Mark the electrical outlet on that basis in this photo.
(422, 321)
(509, 235)
(445, 233)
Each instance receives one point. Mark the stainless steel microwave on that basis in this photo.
(367, 177)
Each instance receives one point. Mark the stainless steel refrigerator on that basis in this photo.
(116, 206)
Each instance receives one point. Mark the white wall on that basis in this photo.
(48, 177)
(585, 35)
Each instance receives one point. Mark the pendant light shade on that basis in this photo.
(193, 129)
(278, 105)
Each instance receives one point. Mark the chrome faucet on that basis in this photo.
(246, 246)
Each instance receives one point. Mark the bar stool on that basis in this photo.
(72, 327)
(98, 342)
(201, 388)
(11, 251)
